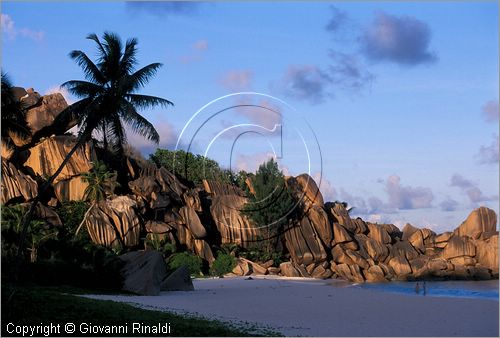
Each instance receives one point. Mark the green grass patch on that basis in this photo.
(45, 305)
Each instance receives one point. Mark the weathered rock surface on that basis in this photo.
(408, 230)
(400, 266)
(288, 270)
(217, 188)
(480, 220)
(231, 224)
(306, 190)
(46, 157)
(16, 185)
(459, 246)
(319, 219)
(193, 222)
(378, 233)
(45, 112)
(179, 280)
(304, 244)
(487, 252)
(143, 272)
(157, 187)
(375, 274)
(71, 189)
(114, 221)
(340, 234)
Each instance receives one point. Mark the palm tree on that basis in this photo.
(109, 100)
(101, 184)
(13, 115)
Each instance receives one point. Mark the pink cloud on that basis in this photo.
(237, 80)
(490, 111)
(200, 45)
(196, 54)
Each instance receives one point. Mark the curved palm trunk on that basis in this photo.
(85, 217)
(117, 232)
(29, 215)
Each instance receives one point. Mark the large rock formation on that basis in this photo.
(46, 157)
(44, 113)
(16, 186)
(143, 272)
(306, 190)
(479, 221)
(322, 242)
(113, 222)
(232, 225)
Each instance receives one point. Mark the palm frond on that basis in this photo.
(129, 59)
(138, 123)
(141, 77)
(113, 46)
(91, 71)
(82, 88)
(116, 130)
(102, 51)
(147, 101)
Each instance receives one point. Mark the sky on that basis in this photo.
(391, 106)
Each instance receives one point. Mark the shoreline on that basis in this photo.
(308, 307)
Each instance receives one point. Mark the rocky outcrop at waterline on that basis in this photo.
(321, 241)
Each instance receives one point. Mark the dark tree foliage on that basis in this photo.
(272, 204)
(191, 167)
(13, 114)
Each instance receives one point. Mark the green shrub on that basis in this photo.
(38, 232)
(223, 264)
(189, 166)
(160, 243)
(72, 213)
(192, 262)
(272, 204)
(258, 255)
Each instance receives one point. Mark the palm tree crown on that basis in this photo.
(109, 97)
(13, 114)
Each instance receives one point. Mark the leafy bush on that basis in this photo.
(192, 262)
(37, 234)
(258, 255)
(160, 243)
(271, 205)
(72, 213)
(189, 166)
(223, 264)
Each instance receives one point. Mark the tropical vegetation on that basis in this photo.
(109, 102)
(272, 204)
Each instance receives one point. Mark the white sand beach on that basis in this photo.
(306, 307)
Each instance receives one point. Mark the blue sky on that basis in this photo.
(402, 97)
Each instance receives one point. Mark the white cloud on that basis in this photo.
(449, 204)
(489, 154)
(168, 138)
(470, 189)
(326, 187)
(407, 197)
(64, 92)
(250, 163)
(10, 30)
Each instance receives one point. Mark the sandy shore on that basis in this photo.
(314, 308)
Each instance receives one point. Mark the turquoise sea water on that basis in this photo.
(463, 289)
